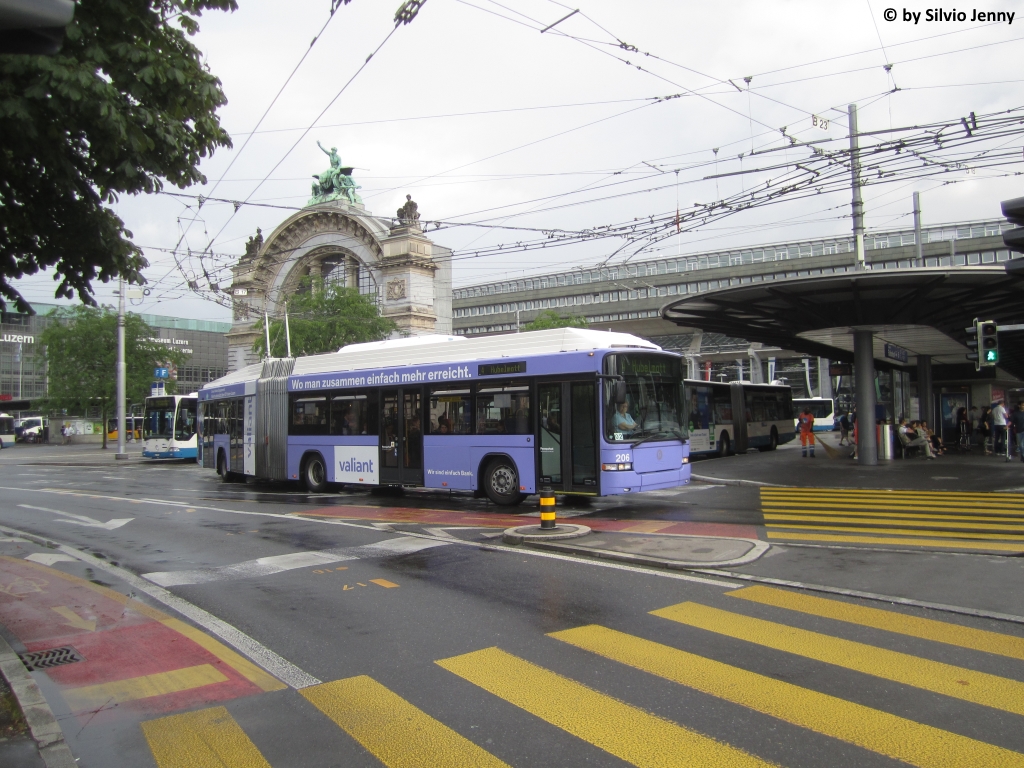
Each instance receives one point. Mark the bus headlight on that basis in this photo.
(686, 459)
(627, 467)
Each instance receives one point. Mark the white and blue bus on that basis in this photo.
(821, 408)
(6, 430)
(579, 411)
(169, 427)
(712, 428)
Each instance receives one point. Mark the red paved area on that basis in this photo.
(120, 639)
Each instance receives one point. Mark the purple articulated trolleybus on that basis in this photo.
(577, 411)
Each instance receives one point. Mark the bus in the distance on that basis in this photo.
(577, 411)
(6, 430)
(169, 427)
(821, 408)
(712, 428)
(133, 428)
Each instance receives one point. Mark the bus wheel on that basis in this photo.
(773, 442)
(222, 468)
(314, 474)
(723, 445)
(501, 483)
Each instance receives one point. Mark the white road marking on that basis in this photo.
(82, 519)
(267, 566)
(370, 527)
(681, 490)
(45, 558)
(258, 653)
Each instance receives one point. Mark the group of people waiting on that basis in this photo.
(916, 434)
(996, 429)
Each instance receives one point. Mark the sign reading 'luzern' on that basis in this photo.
(501, 369)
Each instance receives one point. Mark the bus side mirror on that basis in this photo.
(619, 392)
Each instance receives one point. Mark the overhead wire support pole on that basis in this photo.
(858, 201)
(917, 229)
(287, 331)
(121, 373)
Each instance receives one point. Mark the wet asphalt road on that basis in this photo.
(334, 623)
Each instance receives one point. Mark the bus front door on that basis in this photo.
(567, 437)
(401, 437)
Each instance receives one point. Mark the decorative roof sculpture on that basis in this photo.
(335, 183)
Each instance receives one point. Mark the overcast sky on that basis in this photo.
(565, 131)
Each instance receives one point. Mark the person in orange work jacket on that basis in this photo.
(807, 432)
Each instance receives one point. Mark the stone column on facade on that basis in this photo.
(407, 275)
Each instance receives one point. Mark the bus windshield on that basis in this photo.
(159, 418)
(651, 409)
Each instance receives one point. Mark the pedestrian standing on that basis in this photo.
(985, 428)
(1017, 419)
(844, 429)
(999, 427)
(807, 432)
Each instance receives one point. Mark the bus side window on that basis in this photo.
(503, 410)
(450, 411)
(354, 414)
(309, 416)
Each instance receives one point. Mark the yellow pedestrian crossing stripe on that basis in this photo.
(895, 542)
(914, 626)
(209, 738)
(958, 682)
(629, 733)
(967, 521)
(90, 697)
(401, 735)
(394, 731)
(878, 731)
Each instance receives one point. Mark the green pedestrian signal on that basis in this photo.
(988, 342)
(983, 343)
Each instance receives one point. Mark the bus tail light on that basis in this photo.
(626, 467)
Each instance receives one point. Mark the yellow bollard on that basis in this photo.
(547, 509)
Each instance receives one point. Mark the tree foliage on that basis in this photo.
(125, 105)
(550, 319)
(81, 360)
(322, 318)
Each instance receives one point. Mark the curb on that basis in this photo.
(731, 481)
(529, 534)
(41, 722)
(759, 548)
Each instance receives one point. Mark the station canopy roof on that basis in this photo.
(922, 310)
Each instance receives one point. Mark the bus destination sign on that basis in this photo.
(501, 369)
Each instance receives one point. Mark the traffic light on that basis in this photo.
(983, 341)
(988, 344)
(1013, 210)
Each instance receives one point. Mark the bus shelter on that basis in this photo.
(888, 319)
